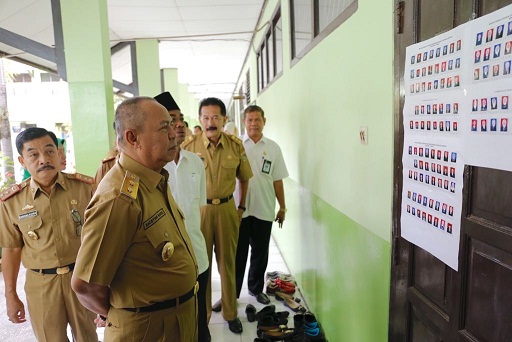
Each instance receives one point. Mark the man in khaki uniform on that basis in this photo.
(225, 160)
(41, 222)
(136, 266)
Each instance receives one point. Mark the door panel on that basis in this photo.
(429, 301)
(442, 10)
(489, 300)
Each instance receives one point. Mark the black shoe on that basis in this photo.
(261, 298)
(217, 307)
(250, 311)
(235, 326)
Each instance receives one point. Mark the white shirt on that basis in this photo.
(188, 187)
(267, 164)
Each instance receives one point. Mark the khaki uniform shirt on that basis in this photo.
(127, 224)
(223, 163)
(106, 165)
(46, 226)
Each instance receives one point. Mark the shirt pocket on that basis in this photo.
(192, 185)
(32, 231)
(229, 167)
(158, 235)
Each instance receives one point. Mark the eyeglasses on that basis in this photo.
(75, 215)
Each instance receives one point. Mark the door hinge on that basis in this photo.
(399, 16)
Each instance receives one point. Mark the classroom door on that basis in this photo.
(430, 301)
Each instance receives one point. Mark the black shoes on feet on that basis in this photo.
(217, 307)
(261, 298)
(235, 326)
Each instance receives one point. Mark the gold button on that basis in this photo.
(166, 234)
(33, 235)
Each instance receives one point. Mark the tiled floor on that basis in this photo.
(218, 327)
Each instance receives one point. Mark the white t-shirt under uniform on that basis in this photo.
(267, 164)
(188, 187)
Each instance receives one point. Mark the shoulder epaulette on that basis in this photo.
(13, 190)
(80, 177)
(235, 139)
(130, 185)
(189, 139)
(106, 160)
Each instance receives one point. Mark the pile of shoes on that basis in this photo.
(307, 328)
(280, 282)
(272, 326)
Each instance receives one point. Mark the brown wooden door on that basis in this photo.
(430, 301)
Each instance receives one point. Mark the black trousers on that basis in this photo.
(202, 322)
(255, 233)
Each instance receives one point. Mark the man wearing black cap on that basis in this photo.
(187, 180)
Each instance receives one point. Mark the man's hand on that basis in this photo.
(15, 309)
(280, 218)
(240, 213)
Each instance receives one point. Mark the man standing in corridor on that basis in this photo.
(225, 160)
(41, 221)
(265, 186)
(136, 266)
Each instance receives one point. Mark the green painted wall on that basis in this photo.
(336, 238)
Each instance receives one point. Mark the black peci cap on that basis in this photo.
(166, 100)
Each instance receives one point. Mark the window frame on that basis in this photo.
(317, 36)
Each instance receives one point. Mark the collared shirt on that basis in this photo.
(127, 223)
(188, 186)
(223, 163)
(268, 166)
(43, 224)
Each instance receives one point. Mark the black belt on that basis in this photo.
(170, 303)
(56, 270)
(219, 200)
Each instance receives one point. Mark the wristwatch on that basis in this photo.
(242, 208)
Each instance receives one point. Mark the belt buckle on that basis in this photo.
(62, 270)
(196, 287)
(216, 201)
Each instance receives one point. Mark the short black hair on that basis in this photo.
(254, 108)
(33, 133)
(197, 126)
(213, 101)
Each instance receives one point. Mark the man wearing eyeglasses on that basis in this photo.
(41, 221)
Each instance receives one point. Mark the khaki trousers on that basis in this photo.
(177, 324)
(52, 304)
(220, 225)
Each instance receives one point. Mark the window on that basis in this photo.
(278, 47)
(312, 20)
(248, 85)
(47, 77)
(22, 77)
(270, 53)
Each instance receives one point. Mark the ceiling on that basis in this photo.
(207, 41)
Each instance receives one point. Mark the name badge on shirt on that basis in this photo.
(32, 213)
(266, 166)
(154, 219)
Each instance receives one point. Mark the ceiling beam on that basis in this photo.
(28, 45)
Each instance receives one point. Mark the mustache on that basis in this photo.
(46, 167)
(211, 128)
